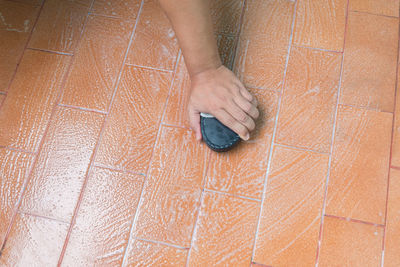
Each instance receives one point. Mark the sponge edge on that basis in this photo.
(216, 135)
(206, 115)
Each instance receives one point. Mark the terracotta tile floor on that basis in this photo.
(98, 166)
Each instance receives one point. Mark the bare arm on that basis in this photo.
(214, 88)
(191, 20)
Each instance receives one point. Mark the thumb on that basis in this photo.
(194, 119)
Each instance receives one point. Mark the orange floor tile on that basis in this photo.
(98, 166)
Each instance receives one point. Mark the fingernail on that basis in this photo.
(246, 137)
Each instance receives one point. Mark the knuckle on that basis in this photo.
(231, 100)
(214, 106)
(248, 107)
(230, 121)
(223, 91)
(227, 120)
(242, 118)
(225, 98)
(235, 89)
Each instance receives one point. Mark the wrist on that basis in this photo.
(212, 64)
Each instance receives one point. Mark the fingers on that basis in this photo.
(240, 113)
(194, 119)
(246, 102)
(246, 94)
(241, 116)
(254, 102)
(230, 122)
(247, 107)
(225, 97)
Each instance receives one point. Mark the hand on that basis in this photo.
(220, 93)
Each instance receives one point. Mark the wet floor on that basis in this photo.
(99, 168)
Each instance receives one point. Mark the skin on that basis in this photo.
(214, 88)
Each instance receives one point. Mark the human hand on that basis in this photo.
(220, 93)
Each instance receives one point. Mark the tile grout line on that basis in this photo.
(50, 51)
(395, 167)
(301, 148)
(93, 156)
(195, 228)
(179, 56)
(237, 37)
(58, 104)
(161, 243)
(135, 217)
(209, 154)
(369, 13)
(27, 178)
(41, 216)
(148, 67)
(110, 168)
(365, 108)
(275, 130)
(18, 150)
(332, 139)
(194, 231)
(391, 142)
(111, 17)
(83, 109)
(52, 114)
(75, 48)
(53, 111)
(250, 142)
(347, 219)
(151, 160)
(318, 49)
(208, 160)
(26, 44)
(175, 126)
(231, 195)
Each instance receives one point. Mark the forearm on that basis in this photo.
(192, 24)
